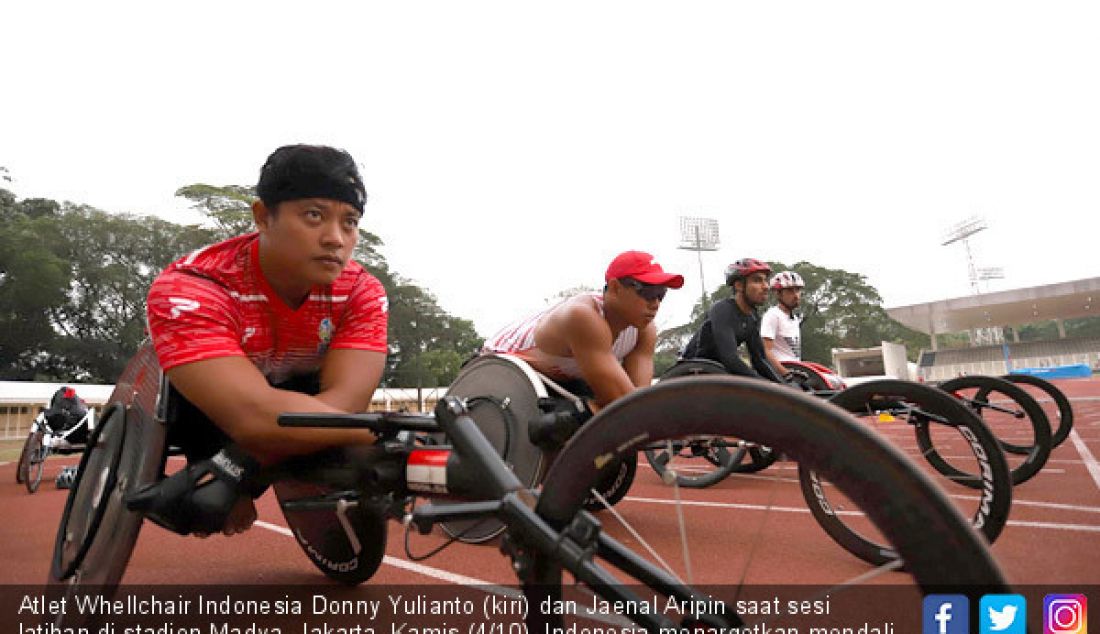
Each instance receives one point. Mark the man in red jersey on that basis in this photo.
(233, 320)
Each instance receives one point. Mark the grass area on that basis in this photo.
(9, 449)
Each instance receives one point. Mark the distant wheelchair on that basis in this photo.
(56, 429)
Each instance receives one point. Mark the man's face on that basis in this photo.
(789, 297)
(310, 238)
(638, 302)
(756, 289)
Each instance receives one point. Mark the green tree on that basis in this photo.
(427, 345)
(229, 207)
(33, 280)
(113, 259)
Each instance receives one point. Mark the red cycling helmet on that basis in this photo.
(741, 269)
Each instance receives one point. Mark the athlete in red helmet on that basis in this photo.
(733, 322)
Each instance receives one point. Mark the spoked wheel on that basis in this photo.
(1054, 403)
(939, 548)
(23, 467)
(36, 462)
(887, 405)
(1010, 413)
(343, 536)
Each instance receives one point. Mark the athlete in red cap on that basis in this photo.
(605, 340)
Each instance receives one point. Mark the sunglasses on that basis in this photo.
(648, 292)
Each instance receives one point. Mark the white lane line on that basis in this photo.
(4, 464)
(1089, 528)
(1048, 505)
(1090, 461)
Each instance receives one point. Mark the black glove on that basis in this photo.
(798, 378)
(199, 497)
(560, 421)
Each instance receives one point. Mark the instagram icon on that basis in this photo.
(1065, 614)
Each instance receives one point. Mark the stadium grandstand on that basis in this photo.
(20, 401)
(984, 317)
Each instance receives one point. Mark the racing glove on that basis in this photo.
(798, 379)
(199, 497)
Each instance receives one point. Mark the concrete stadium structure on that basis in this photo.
(1013, 308)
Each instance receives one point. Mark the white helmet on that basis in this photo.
(786, 279)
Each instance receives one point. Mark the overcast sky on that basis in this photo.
(511, 149)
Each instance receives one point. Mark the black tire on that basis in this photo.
(941, 550)
(97, 533)
(991, 511)
(615, 484)
(23, 467)
(1037, 453)
(36, 463)
(1065, 409)
(347, 558)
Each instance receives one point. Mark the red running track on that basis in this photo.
(752, 529)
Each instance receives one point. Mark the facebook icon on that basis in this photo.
(946, 614)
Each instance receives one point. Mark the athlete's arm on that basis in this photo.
(589, 340)
(760, 363)
(232, 392)
(639, 362)
(769, 330)
(773, 360)
(724, 327)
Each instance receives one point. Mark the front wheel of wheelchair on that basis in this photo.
(344, 536)
(97, 533)
(939, 548)
(1011, 414)
(36, 462)
(976, 461)
(23, 467)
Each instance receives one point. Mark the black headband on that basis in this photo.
(318, 185)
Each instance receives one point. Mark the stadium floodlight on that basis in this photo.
(964, 230)
(961, 232)
(698, 235)
(991, 273)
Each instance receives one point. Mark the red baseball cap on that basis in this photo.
(642, 267)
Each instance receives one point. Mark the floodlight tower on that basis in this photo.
(961, 233)
(698, 235)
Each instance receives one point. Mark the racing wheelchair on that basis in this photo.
(54, 430)
(337, 510)
(939, 421)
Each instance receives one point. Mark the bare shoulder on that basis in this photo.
(577, 318)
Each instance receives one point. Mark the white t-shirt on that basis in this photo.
(785, 333)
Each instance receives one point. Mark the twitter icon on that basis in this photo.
(1002, 614)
